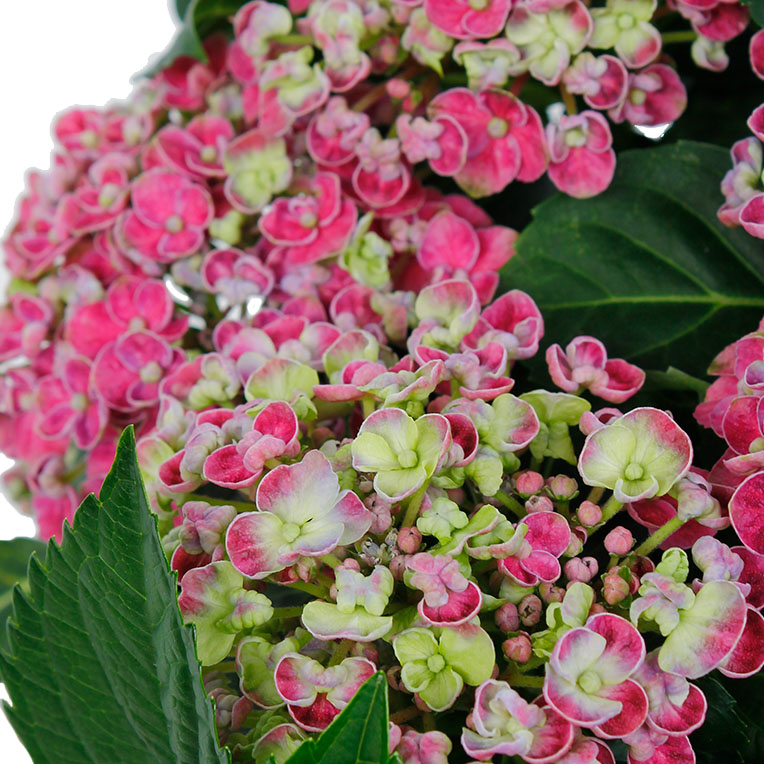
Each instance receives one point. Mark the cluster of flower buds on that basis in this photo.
(243, 262)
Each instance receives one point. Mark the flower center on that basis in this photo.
(589, 682)
(308, 220)
(151, 372)
(497, 127)
(637, 97)
(756, 446)
(634, 471)
(89, 139)
(436, 663)
(107, 195)
(626, 21)
(174, 224)
(208, 154)
(408, 459)
(478, 5)
(290, 532)
(79, 402)
(136, 324)
(575, 137)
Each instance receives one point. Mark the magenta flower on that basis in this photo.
(625, 25)
(196, 149)
(442, 142)
(127, 372)
(589, 676)
(423, 747)
(274, 434)
(585, 365)
(741, 186)
(602, 80)
(24, 325)
(236, 275)
(505, 138)
(745, 512)
(315, 695)
(581, 157)
(747, 657)
(381, 178)
(656, 97)
(313, 225)
(468, 20)
(502, 723)
(756, 53)
(334, 132)
(169, 215)
(302, 512)
(71, 405)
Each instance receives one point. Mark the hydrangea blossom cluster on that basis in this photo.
(244, 262)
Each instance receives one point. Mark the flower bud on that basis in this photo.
(614, 589)
(551, 593)
(530, 610)
(597, 608)
(517, 648)
(575, 547)
(539, 504)
(528, 482)
(398, 566)
(589, 513)
(398, 88)
(409, 539)
(619, 541)
(562, 487)
(507, 618)
(582, 569)
(393, 675)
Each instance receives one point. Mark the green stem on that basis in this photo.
(683, 36)
(412, 510)
(595, 494)
(303, 586)
(512, 504)
(516, 679)
(428, 721)
(407, 714)
(369, 404)
(293, 39)
(611, 508)
(282, 613)
(331, 560)
(659, 536)
(535, 464)
(569, 100)
(341, 651)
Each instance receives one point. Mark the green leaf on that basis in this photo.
(14, 559)
(359, 735)
(756, 7)
(100, 667)
(645, 267)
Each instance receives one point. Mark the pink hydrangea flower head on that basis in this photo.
(468, 20)
(310, 226)
(257, 167)
(315, 695)
(505, 138)
(656, 97)
(638, 456)
(602, 81)
(584, 365)
(547, 40)
(401, 452)
(502, 723)
(625, 26)
(589, 677)
(301, 512)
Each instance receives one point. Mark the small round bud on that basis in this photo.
(562, 487)
(589, 513)
(528, 482)
(597, 608)
(507, 618)
(409, 539)
(350, 564)
(539, 504)
(551, 593)
(582, 569)
(619, 541)
(398, 88)
(398, 566)
(614, 589)
(530, 610)
(518, 649)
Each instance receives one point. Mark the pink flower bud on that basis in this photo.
(528, 482)
(393, 675)
(517, 648)
(409, 539)
(562, 487)
(350, 564)
(398, 88)
(589, 513)
(551, 593)
(619, 541)
(507, 618)
(575, 547)
(530, 609)
(614, 589)
(597, 608)
(539, 504)
(398, 566)
(582, 569)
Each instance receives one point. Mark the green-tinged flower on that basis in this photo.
(557, 413)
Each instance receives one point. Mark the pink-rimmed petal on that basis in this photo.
(547, 531)
(747, 658)
(634, 704)
(461, 607)
(625, 649)
(752, 574)
(745, 512)
(542, 565)
(225, 467)
(253, 542)
(575, 705)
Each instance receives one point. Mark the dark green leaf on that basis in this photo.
(724, 734)
(359, 735)
(181, 6)
(756, 8)
(646, 266)
(100, 667)
(14, 559)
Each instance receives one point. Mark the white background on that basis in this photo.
(54, 54)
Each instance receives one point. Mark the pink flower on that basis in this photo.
(589, 677)
(581, 158)
(756, 53)
(745, 512)
(505, 138)
(334, 132)
(127, 372)
(466, 20)
(602, 81)
(656, 97)
(442, 142)
(70, 405)
(310, 226)
(381, 178)
(424, 747)
(197, 149)
(24, 325)
(235, 275)
(742, 185)
(585, 365)
(169, 216)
